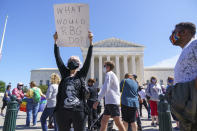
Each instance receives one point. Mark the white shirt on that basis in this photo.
(51, 95)
(186, 66)
(110, 89)
(142, 94)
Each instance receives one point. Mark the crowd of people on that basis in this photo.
(70, 101)
(127, 93)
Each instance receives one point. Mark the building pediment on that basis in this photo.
(115, 42)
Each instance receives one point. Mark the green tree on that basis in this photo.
(43, 88)
(2, 86)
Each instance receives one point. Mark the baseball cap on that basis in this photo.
(20, 84)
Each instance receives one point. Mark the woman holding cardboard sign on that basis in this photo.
(71, 105)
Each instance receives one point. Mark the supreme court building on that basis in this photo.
(128, 57)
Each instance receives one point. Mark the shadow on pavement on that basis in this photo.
(150, 130)
(144, 119)
(18, 118)
(23, 127)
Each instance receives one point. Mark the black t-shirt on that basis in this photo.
(93, 93)
(71, 97)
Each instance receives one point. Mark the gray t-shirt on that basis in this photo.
(51, 95)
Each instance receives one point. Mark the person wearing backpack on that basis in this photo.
(33, 98)
(71, 104)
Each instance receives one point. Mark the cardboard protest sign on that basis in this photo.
(72, 24)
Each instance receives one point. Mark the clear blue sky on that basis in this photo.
(29, 43)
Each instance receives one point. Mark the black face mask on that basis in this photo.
(72, 65)
(90, 85)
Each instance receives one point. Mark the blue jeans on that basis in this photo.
(43, 119)
(32, 108)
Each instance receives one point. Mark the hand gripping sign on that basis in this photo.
(72, 24)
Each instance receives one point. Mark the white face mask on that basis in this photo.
(104, 70)
(153, 80)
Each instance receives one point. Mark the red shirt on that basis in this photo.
(18, 93)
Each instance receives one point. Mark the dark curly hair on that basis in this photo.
(188, 25)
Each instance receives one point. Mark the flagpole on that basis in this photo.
(3, 37)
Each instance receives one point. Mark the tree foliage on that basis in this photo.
(2, 86)
(43, 88)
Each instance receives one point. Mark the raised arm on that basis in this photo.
(86, 65)
(64, 71)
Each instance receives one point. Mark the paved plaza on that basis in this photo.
(146, 123)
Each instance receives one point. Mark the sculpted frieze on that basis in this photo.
(114, 42)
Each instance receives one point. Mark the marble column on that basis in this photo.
(108, 58)
(141, 69)
(92, 67)
(125, 65)
(133, 64)
(100, 71)
(118, 67)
